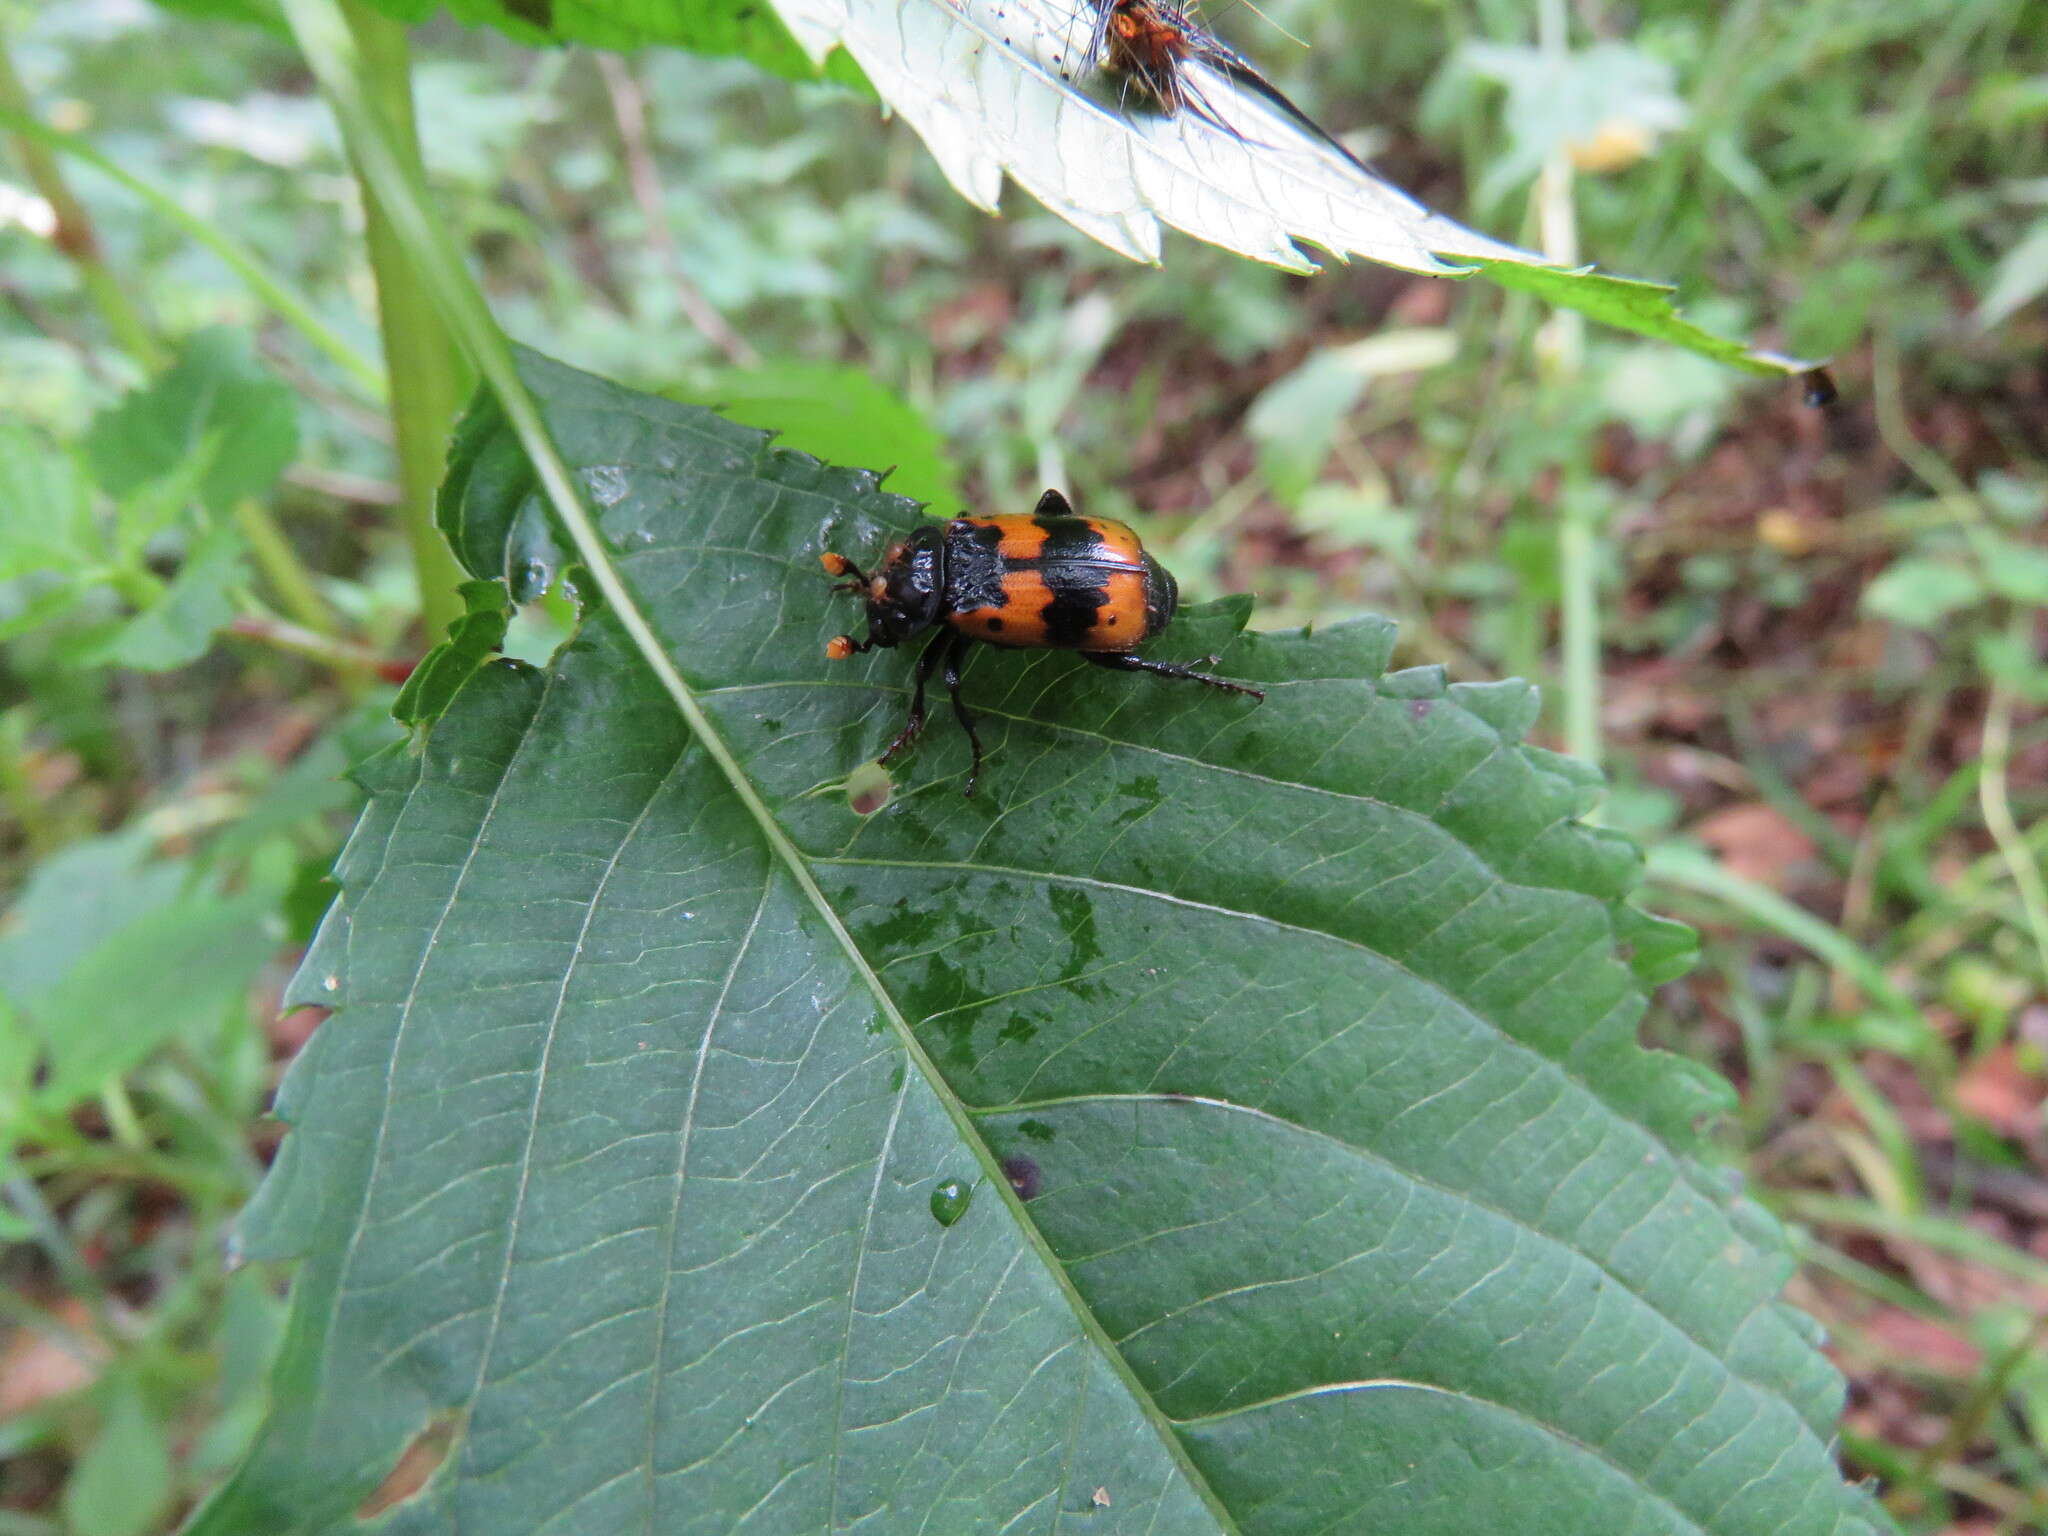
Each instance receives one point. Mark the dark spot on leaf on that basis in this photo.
(1018, 1031)
(1076, 913)
(540, 12)
(1037, 1130)
(903, 925)
(1418, 709)
(936, 996)
(1025, 1177)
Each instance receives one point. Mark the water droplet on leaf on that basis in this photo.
(531, 581)
(950, 1199)
(607, 483)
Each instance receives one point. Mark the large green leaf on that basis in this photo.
(1345, 1199)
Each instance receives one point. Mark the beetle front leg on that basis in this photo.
(927, 664)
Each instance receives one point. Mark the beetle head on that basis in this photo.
(905, 595)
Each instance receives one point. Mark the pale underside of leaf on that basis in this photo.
(1004, 86)
(1306, 1019)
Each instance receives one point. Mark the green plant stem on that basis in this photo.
(288, 305)
(1865, 1277)
(122, 1120)
(75, 235)
(429, 379)
(282, 567)
(1971, 517)
(1939, 1232)
(1579, 621)
(78, 1276)
(1966, 1421)
(1901, 1187)
(1561, 356)
(353, 662)
(1996, 803)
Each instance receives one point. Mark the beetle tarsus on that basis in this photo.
(1123, 661)
(927, 664)
(956, 655)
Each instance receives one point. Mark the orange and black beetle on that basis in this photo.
(1051, 580)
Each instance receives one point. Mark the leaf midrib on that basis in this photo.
(624, 607)
(626, 610)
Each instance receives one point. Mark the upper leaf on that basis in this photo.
(1286, 1051)
(715, 27)
(836, 413)
(999, 87)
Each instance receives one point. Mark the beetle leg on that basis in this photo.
(955, 654)
(927, 664)
(1123, 661)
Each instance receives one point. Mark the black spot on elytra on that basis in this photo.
(995, 626)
